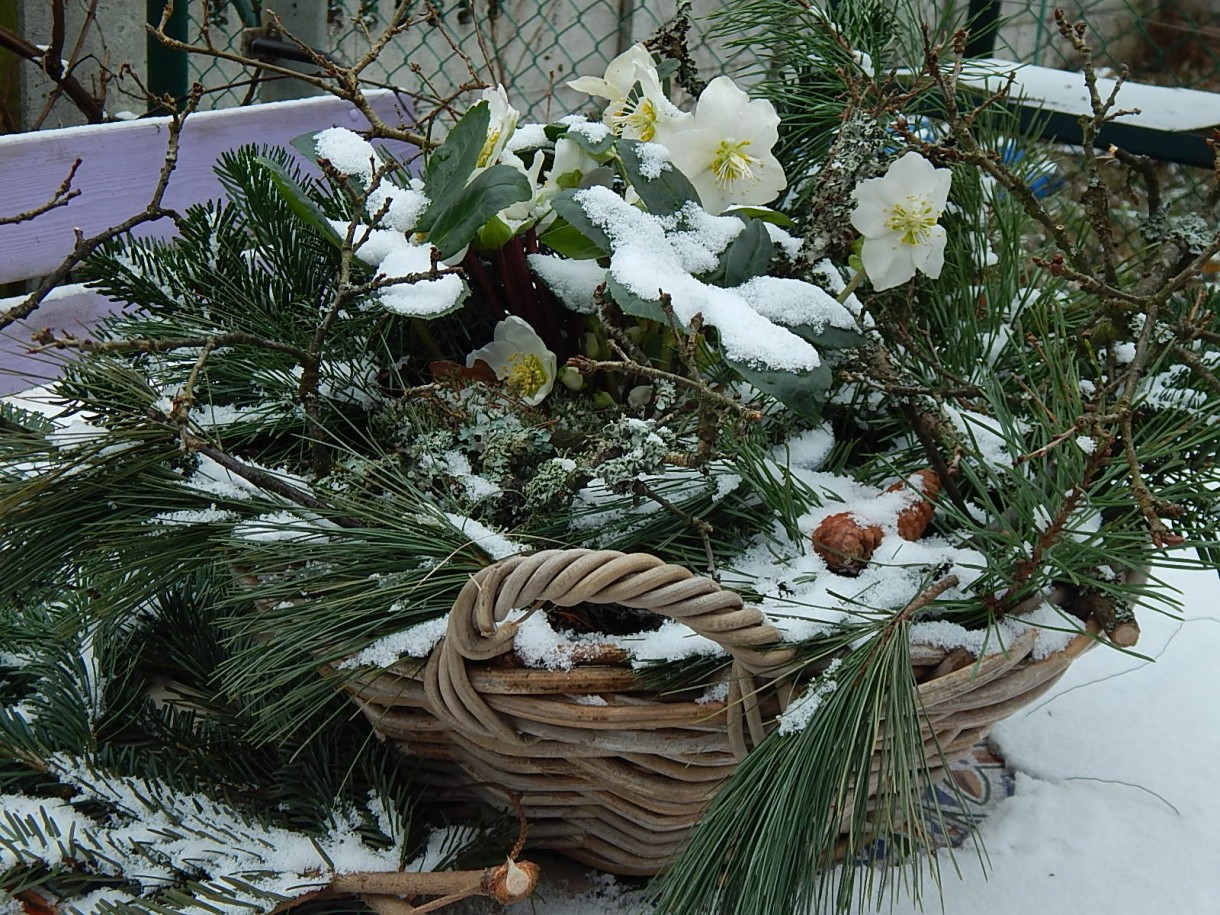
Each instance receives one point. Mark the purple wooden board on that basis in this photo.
(120, 164)
(119, 168)
(75, 313)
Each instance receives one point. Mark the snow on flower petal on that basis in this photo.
(520, 359)
(898, 216)
(726, 150)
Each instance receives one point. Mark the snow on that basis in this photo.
(650, 258)
(395, 256)
(403, 206)
(415, 642)
(348, 152)
(493, 543)
(1159, 107)
(798, 715)
(654, 159)
(573, 281)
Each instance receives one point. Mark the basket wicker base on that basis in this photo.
(619, 784)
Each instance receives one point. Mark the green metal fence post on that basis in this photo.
(167, 69)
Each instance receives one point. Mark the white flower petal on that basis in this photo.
(910, 171)
(897, 216)
(592, 85)
(887, 262)
(931, 258)
(513, 339)
(625, 70)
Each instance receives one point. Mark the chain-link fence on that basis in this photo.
(532, 47)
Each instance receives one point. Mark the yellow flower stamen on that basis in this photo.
(730, 164)
(913, 219)
(525, 374)
(639, 116)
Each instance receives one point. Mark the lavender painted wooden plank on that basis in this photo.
(70, 308)
(120, 164)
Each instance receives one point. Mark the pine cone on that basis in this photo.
(844, 543)
(914, 519)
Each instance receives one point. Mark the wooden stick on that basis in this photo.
(1115, 618)
(510, 882)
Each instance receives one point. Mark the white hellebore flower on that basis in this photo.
(634, 118)
(897, 216)
(520, 359)
(500, 127)
(726, 149)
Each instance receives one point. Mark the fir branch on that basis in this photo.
(48, 340)
(264, 480)
(770, 840)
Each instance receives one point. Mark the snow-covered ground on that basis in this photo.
(1117, 807)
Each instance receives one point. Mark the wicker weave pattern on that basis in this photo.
(619, 785)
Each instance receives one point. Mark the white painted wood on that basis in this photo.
(120, 164)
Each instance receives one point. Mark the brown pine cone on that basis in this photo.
(914, 519)
(844, 543)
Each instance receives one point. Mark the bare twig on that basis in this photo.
(48, 341)
(262, 478)
(64, 193)
(587, 366)
(341, 82)
(71, 86)
(703, 528)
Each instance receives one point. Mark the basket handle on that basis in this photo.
(477, 630)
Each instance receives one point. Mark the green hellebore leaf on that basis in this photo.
(450, 165)
(634, 305)
(747, 256)
(596, 148)
(830, 338)
(470, 208)
(301, 204)
(804, 393)
(571, 212)
(307, 146)
(571, 243)
(494, 234)
(766, 214)
(667, 193)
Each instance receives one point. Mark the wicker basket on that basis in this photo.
(619, 786)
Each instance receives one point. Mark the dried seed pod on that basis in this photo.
(844, 543)
(915, 518)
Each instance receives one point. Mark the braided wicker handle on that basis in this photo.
(477, 630)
